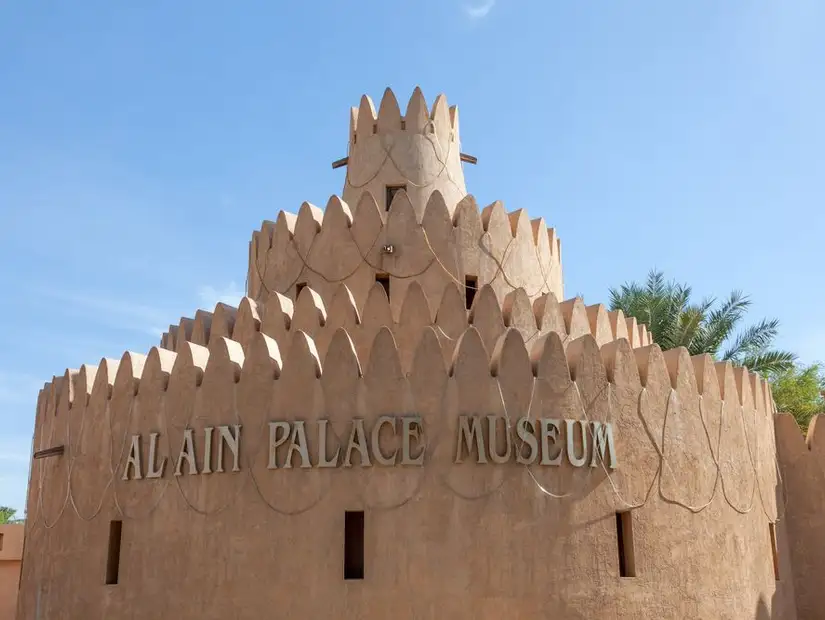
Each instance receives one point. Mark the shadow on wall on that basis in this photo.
(762, 611)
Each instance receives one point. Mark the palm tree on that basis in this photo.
(704, 327)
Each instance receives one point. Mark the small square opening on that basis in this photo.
(354, 545)
(470, 289)
(384, 280)
(391, 191)
(624, 537)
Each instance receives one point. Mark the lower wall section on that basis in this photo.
(9, 579)
(238, 534)
(513, 553)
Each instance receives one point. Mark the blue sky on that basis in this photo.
(142, 142)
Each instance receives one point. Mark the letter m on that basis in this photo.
(469, 430)
(603, 439)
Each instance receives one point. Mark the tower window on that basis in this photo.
(113, 557)
(1, 541)
(470, 288)
(392, 190)
(624, 536)
(354, 544)
(774, 551)
(299, 287)
(384, 280)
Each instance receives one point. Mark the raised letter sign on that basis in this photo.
(411, 430)
(274, 441)
(576, 461)
(524, 431)
(603, 437)
(322, 446)
(467, 433)
(376, 440)
(357, 441)
(233, 443)
(187, 451)
(154, 472)
(133, 460)
(549, 430)
(298, 443)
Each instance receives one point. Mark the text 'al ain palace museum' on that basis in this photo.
(405, 418)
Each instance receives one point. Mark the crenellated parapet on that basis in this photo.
(471, 248)
(418, 152)
(705, 419)
(280, 318)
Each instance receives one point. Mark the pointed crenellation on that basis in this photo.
(685, 401)
(365, 121)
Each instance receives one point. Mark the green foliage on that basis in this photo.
(7, 514)
(704, 327)
(798, 391)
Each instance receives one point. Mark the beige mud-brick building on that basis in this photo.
(11, 552)
(406, 418)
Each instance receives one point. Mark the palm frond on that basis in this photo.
(754, 339)
(769, 362)
(721, 322)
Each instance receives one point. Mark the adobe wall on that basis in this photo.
(420, 150)
(802, 462)
(441, 245)
(694, 452)
(281, 317)
(11, 552)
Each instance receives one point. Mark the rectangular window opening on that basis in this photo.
(354, 544)
(113, 558)
(384, 280)
(1, 542)
(774, 551)
(298, 288)
(624, 536)
(392, 190)
(470, 288)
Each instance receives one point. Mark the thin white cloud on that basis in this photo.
(230, 294)
(479, 11)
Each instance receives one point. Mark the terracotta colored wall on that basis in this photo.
(459, 541)
(420, 150)
(345, 242)
(803, 468)
(281, 317)
(10, 556)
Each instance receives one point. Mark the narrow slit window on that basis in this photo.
(354, 544)
(774, 551)
(470, 289)
(298, 288)
(1, 541)
(392, 190)
(624, 536)
(113, 557)
(384, 280)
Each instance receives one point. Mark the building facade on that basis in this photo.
(406, 418)
(11, 553)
